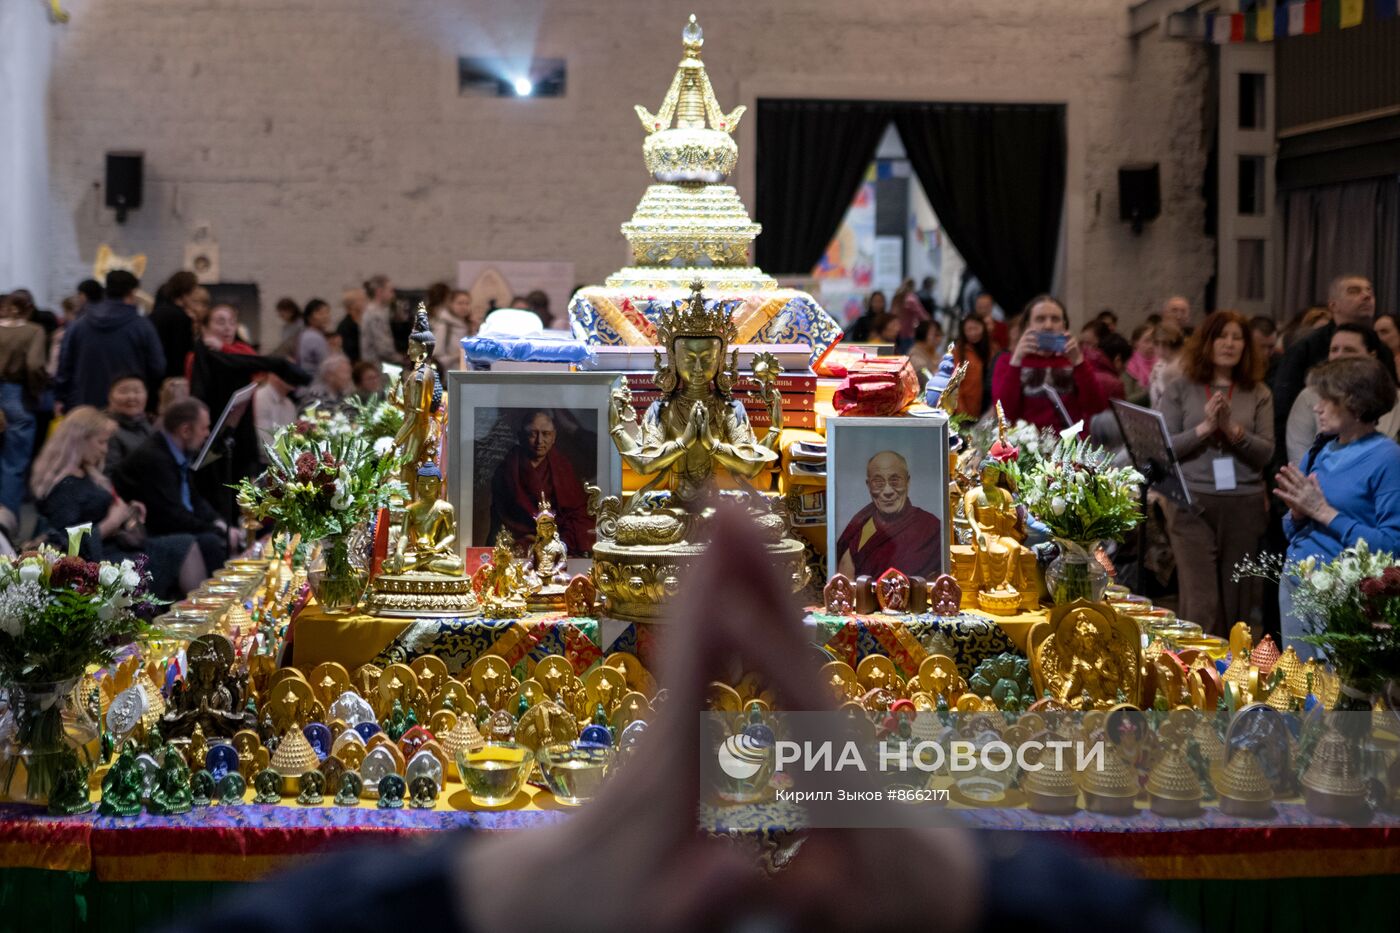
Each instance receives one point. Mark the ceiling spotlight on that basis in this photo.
(524, 87)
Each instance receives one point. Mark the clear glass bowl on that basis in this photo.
(573, 772)
(494, 774)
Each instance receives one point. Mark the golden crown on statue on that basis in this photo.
(691, 318)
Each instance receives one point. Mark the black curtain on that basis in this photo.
(811, 157)
(995, 176)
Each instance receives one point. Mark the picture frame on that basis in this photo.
(874, 526)
(491, 470)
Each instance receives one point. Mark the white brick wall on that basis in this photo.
(324, 139)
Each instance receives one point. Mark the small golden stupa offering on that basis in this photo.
(1244, 788)
(1110, 789)
(1332, 785)
(293, 758)
(1172, 786)
(1051, 789)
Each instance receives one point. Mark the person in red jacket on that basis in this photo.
(1047, 362)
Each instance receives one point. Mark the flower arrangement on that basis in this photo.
(1075, 490)
(321, 484)
(378, 419)
(1351, 607)
(59, 615)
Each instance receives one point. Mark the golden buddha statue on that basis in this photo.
(428, 540)
(1086, 656)
(502, 585)
(423, 570)
(419, 394)
(546, 563)
(696, 430)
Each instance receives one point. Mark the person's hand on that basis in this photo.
(1028, 344)
(212, 342)
(1211, 422)
(1303, 495)
(1073, 352)
(661, 871)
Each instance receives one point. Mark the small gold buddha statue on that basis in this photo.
(423, 570)
(419, 394)
(694, 432)
(546, 563)
(427, 542)
(1086, 655)
(503, 584)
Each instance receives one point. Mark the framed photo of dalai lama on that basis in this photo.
(518, 439)
(887, 496)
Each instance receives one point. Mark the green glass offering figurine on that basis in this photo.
(70, 787)
(313, 785)
(172, 794)
(424, 793)
(267, 786)
(232, 787)
(348, 794)
(391, 791)
(202, 788)
(121, 787)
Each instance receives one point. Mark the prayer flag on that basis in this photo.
(1351, 14)
(1264, 25)
(1331, 14)
(1236, 27)
(1312, 17)
(1387, 9)
(1296, 19)
(1281, 20)
(1220, 31)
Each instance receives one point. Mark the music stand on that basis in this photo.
(222, 436)
(1149, 446)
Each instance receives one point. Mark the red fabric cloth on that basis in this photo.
(910, 541)
(515, 498)
(876, 387)
(1083, 402)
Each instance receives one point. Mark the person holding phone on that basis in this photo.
(1045, 379)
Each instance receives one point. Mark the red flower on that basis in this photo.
(1372, 587)
(74, 572)
(306, 467)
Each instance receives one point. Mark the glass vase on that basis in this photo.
(43, 731)
(1075, 574)
(337, 581)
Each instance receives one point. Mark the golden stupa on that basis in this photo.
(1173, 787)
(1051, 789)
(1110, 789)
(1333, 786)
(1243, 787)
(690, 225)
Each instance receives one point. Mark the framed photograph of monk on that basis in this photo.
(887, 496)
(519, 439)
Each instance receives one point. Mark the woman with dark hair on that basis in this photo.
(312, 345)
(860, 329)
(126, 407)
(1045, 379)
(1348, 341)
(884, 330)
(1221, 420)
(974, 347)
(1347, 488)
(178, 310)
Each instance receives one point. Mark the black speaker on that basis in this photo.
(124, 171)
(1139, 194)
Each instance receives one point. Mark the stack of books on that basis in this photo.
(798, 392)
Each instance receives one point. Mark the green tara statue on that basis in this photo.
(121, 786)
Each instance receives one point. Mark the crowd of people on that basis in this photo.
(106, 407)
(1286, 434)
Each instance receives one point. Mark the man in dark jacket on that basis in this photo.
(109, 340)
(157, 474)
(1352, 300)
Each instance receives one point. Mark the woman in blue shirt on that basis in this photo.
(1348, 489)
